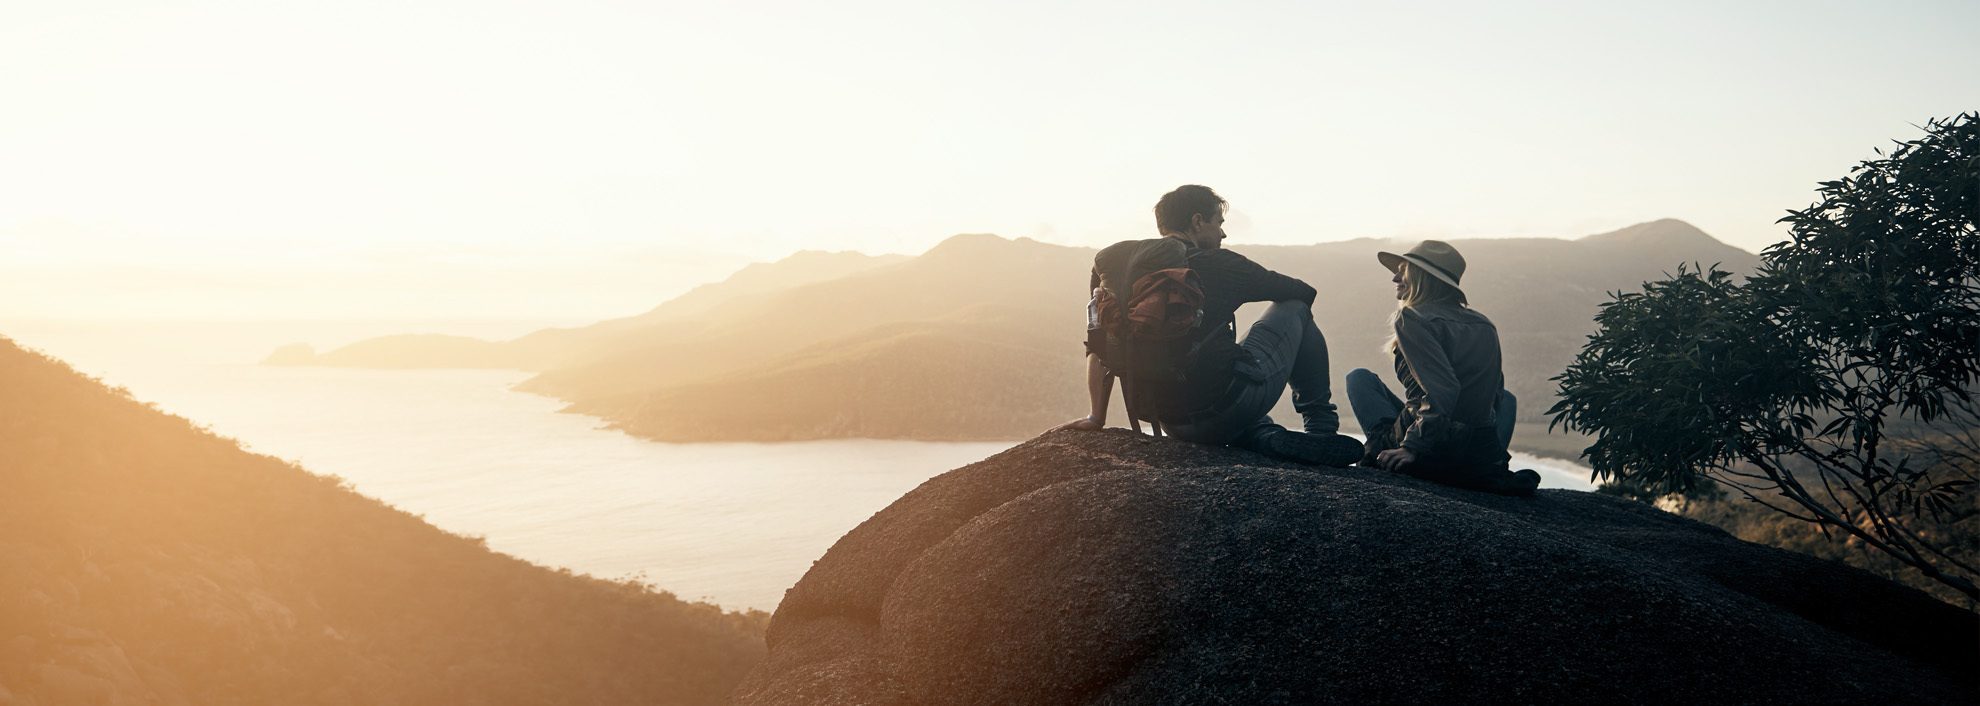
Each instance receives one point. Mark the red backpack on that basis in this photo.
(1150, 312)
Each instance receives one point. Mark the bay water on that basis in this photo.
(733, 524)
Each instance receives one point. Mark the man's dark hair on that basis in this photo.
(1173, 211)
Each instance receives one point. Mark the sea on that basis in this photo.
(733, 524)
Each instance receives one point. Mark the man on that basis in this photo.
(1229, 387)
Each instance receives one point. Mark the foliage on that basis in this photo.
(1835, 385)
(1754, 523)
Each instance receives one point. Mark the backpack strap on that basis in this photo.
(1128, 398)
(1133, 401)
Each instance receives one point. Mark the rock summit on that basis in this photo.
(1106, 567)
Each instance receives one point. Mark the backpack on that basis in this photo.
(1150, 311)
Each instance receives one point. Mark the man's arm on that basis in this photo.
(1099, 383)
(1251, 282)
(1099, 390)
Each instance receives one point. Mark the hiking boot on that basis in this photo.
(1315, 449)
(1521, 483)
(1378, 440)
(1368, 457)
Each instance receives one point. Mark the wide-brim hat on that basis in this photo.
(1434, 256)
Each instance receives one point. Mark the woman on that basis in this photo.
(1454, 426)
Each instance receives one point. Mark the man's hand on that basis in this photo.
(1394, 459)
(1081, 424)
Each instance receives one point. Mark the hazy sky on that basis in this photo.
(211, 158)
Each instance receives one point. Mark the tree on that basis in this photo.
(1835, 385)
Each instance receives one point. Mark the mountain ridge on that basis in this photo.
(1542, 292)
(547, 348)
(1663, 231)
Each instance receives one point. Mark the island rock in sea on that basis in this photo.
(1114, 568)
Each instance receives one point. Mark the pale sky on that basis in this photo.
(204, 158)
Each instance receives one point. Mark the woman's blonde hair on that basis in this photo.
(1419, 288)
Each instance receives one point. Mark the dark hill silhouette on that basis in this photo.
(655, 379)
(146, 561)
(1113, 568)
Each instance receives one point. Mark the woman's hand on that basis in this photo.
(1081, 424)
(1394, 459)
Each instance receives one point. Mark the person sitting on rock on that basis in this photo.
(1458, 418)
(1217, 390)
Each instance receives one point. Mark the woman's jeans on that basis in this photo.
(1287, 350)
(1375, 407)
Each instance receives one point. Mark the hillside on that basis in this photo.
(964, 277)
(946, 379)
(1957, 530)
(669, 379)
(1103, 567)
(549, 348)
(1543, 294)
(144, 560)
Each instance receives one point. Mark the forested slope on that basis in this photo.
(144, 560)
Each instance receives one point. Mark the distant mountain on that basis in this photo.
(1541, 292)
(412, 350)
(144, 560)
(801, 268)
(769, 372)
(948, 380)
(1669, 234)
(554, 347)
(879, 352)
(963, 278)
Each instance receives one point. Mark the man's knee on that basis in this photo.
(1283, 322)
(1362, 376)
(1290, 317)
(1293, 307)
(1290, 309)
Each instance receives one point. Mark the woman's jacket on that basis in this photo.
(1447, 357)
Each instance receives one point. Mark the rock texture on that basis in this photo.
(1110, 568)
